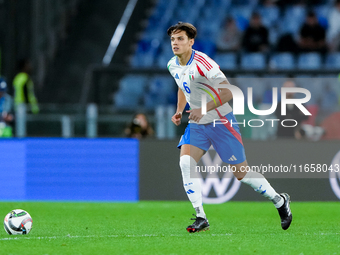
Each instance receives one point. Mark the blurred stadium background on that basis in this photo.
(83, 93)
(97, 63)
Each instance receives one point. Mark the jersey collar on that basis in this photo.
(190, 60)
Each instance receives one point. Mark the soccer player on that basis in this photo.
(195, 73)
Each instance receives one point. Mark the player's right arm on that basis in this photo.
(181, 103)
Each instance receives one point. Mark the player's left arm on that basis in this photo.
(215, 76)
(224, 95)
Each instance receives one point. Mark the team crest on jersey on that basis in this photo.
(176, 76)
(191, 75)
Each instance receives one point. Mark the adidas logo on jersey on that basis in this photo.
(190, 191)
(232, 158)
(176, 76)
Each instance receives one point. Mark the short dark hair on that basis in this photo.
(189, 29)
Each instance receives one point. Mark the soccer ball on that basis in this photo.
(18, 222)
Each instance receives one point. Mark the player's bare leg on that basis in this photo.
(193, 151)
(190, 155)
(260, 184)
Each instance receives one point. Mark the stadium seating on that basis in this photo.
(146, 52)
(333, 61)
(188, 14)
(208, 17)
(322, 10)
(206, 46)
(142, 59)
(226, 60)
(165, 55)
(270, 15)
(246, 3)
(241, 11)
(296, 13)
(282, 61)
(131, 89)
(290, 26)
(309, 61)
(224, 3)
(133, 84)
(162, 84)
(124, 100)
(209, 29)
(292, 20)
(160, 91)
(130, 92)
(253, 61)
(273, 35)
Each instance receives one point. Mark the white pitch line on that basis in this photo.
(120, 236)
(95, 236)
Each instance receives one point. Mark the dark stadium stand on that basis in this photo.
(76, 35)
(87, 44)
(154, 51)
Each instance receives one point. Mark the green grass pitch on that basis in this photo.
(159, 228)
